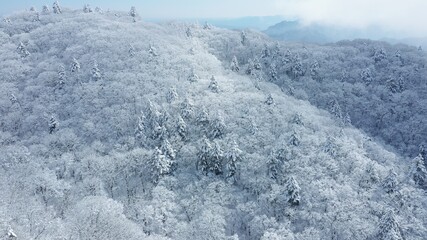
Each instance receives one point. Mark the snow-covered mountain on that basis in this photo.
(115, 128)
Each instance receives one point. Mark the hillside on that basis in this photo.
(114, 128)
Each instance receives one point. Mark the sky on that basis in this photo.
(406, 16)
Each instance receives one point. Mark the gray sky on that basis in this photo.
(408, 16)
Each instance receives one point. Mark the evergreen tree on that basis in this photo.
(273, 167)
(347, 119)
(140, 129)
(99, 10)
(335, 109)
(232, 157)
(13, 99)
(22, 50)
(152, 51)
(330, 146)
(253, 128)
(294, 139)
(53, 124)
(216, 157)
(96, 73)
(234, 64)
(389, 228)
(207, 26)
(168, 150)
(243, 37)
(273, 72)
(297, 119)
(61, 77)
(75, 65)
(33, 9)
(217, 127)
(213, 85)
(56, 8)
(265, 51)
(366, 76)
(181, 128)
(390, 182)
(87, 8)
(131, 51)
(172, 95)
(379, 55)
(160, 165)
(293, 191)
(420, 171)
(297, 68)
(270, 100)
(188, 32)
(45, 9)
(133, 12)
(187, 108)
(203, 116)
(203, 163)
(250, 67)
(193, 77)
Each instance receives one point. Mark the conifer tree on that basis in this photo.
(243, 38)
(270, 100)
(160, 165)
(265, 51)
(168, 150)
(203, 163)
(152, 51)
(172, 95)
(61, 77)
(420, 171)
(234, 64)
(131, 51)
(273, 167)
(140, 128)
(193, 77)
(216, 157)
(389, 228)
(96, 73)
(232, 157)
(217, 127)
(213, 85)
(293, 191)
(45, 9)
(366, 76)
(187, 108)
(203, 116)
(294, 139)
(53, 124)
(181, 128)
(390, 182)
(22, 50)
(335, 109)
(273, 72)
(133, 12)
(75, 65)
(188, 32)
(56, 8)
(297, 119)
(87, 8)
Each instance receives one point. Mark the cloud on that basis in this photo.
(405, 16)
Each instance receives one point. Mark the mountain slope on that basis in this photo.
(78, 142)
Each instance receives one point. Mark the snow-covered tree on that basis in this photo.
(13, 99)
(133, 13)
(419, 172)
(22, 50)
(297, 119)
(234, 64)
(96, 73)
(335, 109)
(56, 8)
(75, 65)
(216, 157)
(87, 8)
(160, 165)
(53, 124)
(140, 128)
(168, 150)
(390, 182)
(187, 108)
(193, 77)
(204, 154)
(152, 51)
(379, 55)
(181, 128)
(45, 9)
(61, 77)
(366, 76)
(99, 10)
(294, 139)
(273, 167)
(217, 127)
(189, 32)
(172, 95)
(203, 116)
(265, 51)
(389, 228)
(213, 85)
(207, 26)
(131, 51)
(270, 100)
(273, 72)
(232, 156)
(243, 38)
(293, 190)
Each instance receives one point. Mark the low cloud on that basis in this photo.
(407, 17)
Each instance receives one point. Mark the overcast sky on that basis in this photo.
(408, 16)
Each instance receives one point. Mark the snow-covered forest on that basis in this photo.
(116, 128)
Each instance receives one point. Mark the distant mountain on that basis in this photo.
(259, 23)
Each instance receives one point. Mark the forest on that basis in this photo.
(112, 127)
